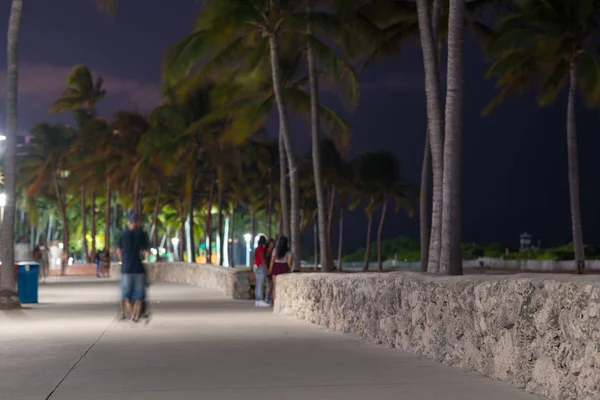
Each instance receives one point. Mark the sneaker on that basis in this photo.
(263, 304)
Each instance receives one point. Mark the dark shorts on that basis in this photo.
(280, 268)
(133, 287)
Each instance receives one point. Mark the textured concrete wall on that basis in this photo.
(232, 282)
(541, 333)
(495, 263)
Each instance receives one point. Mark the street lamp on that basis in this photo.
(248, 238)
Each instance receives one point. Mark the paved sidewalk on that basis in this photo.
(202, 346)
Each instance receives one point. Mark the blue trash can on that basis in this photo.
(27, 281)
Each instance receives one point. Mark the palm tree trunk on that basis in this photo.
(232, 258)
(93, 215)
(379, 233)
(136, 194)
(325, 249)
(22, 222)
(191, 244)
(220, 220)
(49, 232)
(330, 228)
(284, 218)
(576, 224)
(434, 124)
(86, 254)
(252, 234)
(181, 229)
(316, 243)
(340, 239)
(8, 296)
(65, 222)
(208, 224)
(424, 205)
(368, 246)
(107, 219)
(284, 131)
(155, 217)
(270, 204)
(451, 261)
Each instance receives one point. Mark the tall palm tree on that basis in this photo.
(385, 26)
(550, 43)
(8, 296)
(451, 259)
(80, 96)
(326, 250)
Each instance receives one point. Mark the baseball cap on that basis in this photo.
(132, 217)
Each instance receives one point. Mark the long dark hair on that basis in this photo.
(262, 240)
(282, 247)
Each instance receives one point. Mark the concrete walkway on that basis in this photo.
(202, 346)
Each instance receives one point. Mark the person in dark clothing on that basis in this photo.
(132, 243)
(97, 261)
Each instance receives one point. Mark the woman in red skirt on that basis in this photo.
(280, 261)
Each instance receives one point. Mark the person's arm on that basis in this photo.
(272, 262)
(145, 244)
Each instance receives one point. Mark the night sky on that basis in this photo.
(515, 165)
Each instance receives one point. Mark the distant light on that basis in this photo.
(2, 199)
(248, 237)
(2, 138)
(175, 241)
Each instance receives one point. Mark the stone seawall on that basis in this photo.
(540, 333)
(232, 282)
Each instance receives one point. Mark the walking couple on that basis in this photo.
(270, 260)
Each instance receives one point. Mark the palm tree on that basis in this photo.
(129, 127)
(379, 174)
(81, 95)
(230, 31)
(45, 166)
(324, 235)
(555, 50)
(385, 26)
(8, 295)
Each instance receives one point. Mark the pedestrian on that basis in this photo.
(260, 272)
(280, 262)
(132, 243)
(269, 254)
(105, 263)
(97, 261)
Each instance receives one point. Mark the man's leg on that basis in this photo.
(127, 281)
(139, 288)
